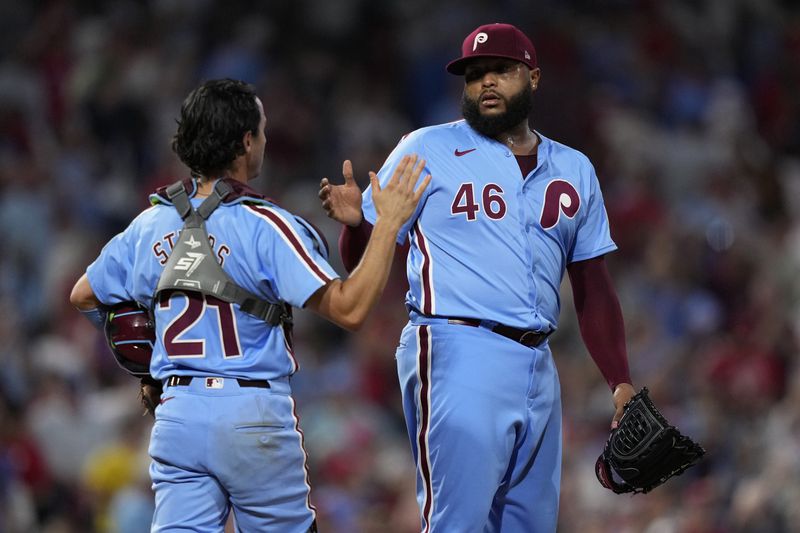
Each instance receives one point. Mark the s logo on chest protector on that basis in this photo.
(189, 262)
(559, 197)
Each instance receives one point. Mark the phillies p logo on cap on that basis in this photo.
(480, 38)
(495, 40)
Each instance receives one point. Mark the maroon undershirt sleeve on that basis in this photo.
(352, 243)
(600, 318)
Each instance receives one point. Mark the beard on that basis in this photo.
(518, 108)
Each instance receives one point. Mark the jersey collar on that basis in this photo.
(545, 143)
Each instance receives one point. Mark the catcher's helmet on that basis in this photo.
(130, 334)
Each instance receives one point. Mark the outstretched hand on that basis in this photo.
(342, 202)
(397, 200)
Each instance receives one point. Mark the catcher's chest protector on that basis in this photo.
(192, 265)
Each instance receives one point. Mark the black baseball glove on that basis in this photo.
(150, 394)
(644, 450)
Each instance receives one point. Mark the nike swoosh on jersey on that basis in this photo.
(459, 153)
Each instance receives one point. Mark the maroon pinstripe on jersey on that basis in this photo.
(289, 235)
(424, 375)
(427, 282)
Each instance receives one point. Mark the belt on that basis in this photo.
(526, 337)
(183, 381)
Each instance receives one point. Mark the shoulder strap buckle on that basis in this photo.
(177, 195)
(273, 314)
(221, 190)
(277, 314)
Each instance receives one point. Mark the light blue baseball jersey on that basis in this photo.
(491, 244)
(263, 247)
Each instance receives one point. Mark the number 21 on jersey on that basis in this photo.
(197, 308)
(491, 197)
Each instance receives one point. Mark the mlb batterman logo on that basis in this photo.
(479, 39)
(215, 383)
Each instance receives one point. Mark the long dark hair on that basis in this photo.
(214, 118)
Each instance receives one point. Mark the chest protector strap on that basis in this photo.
(193, 266)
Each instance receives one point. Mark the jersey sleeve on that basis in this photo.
(593, 237)
(295, 265)
(110, 274)
(409, 145)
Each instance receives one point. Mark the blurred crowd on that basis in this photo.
(689, 109)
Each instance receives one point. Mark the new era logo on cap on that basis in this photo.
(495, 40)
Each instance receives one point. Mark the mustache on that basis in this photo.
(490, 94)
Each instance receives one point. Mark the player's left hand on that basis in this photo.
(622, 395)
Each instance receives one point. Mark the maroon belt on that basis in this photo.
(526, 337)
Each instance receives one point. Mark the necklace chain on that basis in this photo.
(510, 140)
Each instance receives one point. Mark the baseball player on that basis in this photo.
(226, 433)
(509, 212)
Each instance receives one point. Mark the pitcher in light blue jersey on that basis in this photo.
(509, 213)
(226, 435)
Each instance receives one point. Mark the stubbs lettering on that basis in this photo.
(161, 249)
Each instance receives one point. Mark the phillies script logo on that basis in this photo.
(559, 197)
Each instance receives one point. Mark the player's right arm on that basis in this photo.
(347, 303)
(85, 301)
(105, 282)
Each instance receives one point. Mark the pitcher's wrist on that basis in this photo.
(360, 220)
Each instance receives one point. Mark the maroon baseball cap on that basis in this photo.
(495, 40)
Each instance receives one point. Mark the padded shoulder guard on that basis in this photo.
(130, 334)
(645, 450)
